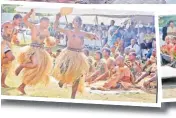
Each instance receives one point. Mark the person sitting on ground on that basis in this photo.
(150, 68)
(110, 70)
(121, 78)
(91, 61)
(171, 29)
(151, 60)
(117, 54)
(99, 67)
(106, 53)
(120, 47)
(150, 49)
(151, 83)
(173, 50)
(126, 53)
(166, 48)
(113, 51)
(173, 53)
(134, 65)
(136, 47)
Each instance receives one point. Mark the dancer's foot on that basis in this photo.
(18, 70)
(103, 89)
(4, 86)
(60, 84)
(21, 89)
(75, 88)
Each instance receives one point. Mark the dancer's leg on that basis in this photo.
(9, 57)
(31, 65)
(75, 88)
(21, 88)
(3, 77)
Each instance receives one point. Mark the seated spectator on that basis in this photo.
(100, 67)
(113, 51)
(109, 71)
(106, 53)
(134, 65)
(122, 77)
(136, 47)
(171, 29)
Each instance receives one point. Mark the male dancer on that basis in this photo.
(6, 54)
(72, 64)
(35, 61)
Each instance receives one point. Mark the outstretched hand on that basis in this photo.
(95, 37)
(58, 16)
(32, 10)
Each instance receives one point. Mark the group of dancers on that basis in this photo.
(35, 63)
(73, 66)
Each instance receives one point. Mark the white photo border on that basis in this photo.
(126, 7)
(160, 14)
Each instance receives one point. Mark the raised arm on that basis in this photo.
(56, 24)
(25, 19)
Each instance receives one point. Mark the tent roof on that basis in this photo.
(78, 11)
(88, 15)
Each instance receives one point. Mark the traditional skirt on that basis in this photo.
(5, 46)
(41, 73)
(71, 65)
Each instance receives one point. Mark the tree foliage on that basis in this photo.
(8, 8)
(164, 20)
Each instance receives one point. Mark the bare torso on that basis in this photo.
(75, 39)
(39, 35)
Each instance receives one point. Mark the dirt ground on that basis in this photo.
(169, 93)
(169, 87)
(54, 91)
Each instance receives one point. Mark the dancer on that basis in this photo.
(6, 53)
(72, 64)
(35, 61)
(17, 19)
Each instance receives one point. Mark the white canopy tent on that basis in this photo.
(89, 15)
(78, 11)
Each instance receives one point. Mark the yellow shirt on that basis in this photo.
(171, 30)
(148, 37)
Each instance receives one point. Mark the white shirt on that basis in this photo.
(141, 38)
(136, 48)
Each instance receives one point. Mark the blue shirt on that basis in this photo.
(113, 38)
